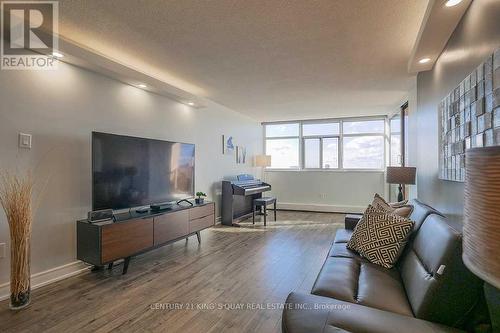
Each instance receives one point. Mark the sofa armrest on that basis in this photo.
(351, 220)
(305, 313)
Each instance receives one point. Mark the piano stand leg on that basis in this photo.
(253, 214)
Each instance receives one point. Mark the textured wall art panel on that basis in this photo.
(470, 117)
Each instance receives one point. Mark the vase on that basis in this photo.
(199, 201)
(20, 278)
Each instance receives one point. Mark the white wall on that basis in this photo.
(334, 191)
(474, 39)
(412, 137)
(61, 108)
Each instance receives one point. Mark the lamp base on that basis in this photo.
(401, 197)
(492, 296)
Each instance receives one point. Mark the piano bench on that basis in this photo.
(263, 202)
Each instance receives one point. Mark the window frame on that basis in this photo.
(320, 137)
(340, 137)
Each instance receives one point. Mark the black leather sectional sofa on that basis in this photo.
(429, 290)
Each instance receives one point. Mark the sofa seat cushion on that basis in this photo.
(314, 314)
(342, 236)
(358, 281)
(341, 250)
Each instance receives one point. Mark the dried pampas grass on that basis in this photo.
(16, 193)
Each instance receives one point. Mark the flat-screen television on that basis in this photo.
(130, 172)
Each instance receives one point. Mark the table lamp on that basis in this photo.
(481, 239)
(401, 176)
(263, 161)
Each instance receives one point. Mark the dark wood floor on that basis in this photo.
(222, 285)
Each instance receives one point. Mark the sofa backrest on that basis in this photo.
(438, 285)
(420, 213)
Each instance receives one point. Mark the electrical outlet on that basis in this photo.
(24, 140)
(2, 250)
(322, 195)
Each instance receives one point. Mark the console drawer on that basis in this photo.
(123, 239)
(202, 223)
(202, 211)
(170, 226)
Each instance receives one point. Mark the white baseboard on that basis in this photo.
(320, 207)
(49, 276)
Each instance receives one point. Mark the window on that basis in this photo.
(330, 153)
(395, 143)
(284, 153)
(335, 144)
(363, 144)
(282, 143)
(311, 153)
(398, 144)
(320, 129)
(364, 152)
(367, 126)
(282, 130)
(321, 145)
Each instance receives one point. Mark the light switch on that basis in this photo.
(24, 140)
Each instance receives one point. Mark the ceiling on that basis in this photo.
(271, 60)
(438, 24)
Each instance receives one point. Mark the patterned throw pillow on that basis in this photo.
(380, 236)
(380, 204)
(398, 204)
(399, 208)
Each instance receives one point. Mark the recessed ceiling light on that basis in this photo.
(190, 103)
(451, 3)
(424, 60)
(142, 85)
(57, 54)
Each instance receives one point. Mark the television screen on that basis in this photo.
(130, 172)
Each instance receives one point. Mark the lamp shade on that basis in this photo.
(401, 175)
(481, 242)
(263, 160)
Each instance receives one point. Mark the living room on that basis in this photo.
(250, 166)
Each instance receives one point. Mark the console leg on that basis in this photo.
(110, 265)
(265, 215)
(96, 268)
(198, 236)
(125, 265)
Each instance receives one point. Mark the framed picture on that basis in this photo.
(241, 155)
(465, 118)
(227, 145)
